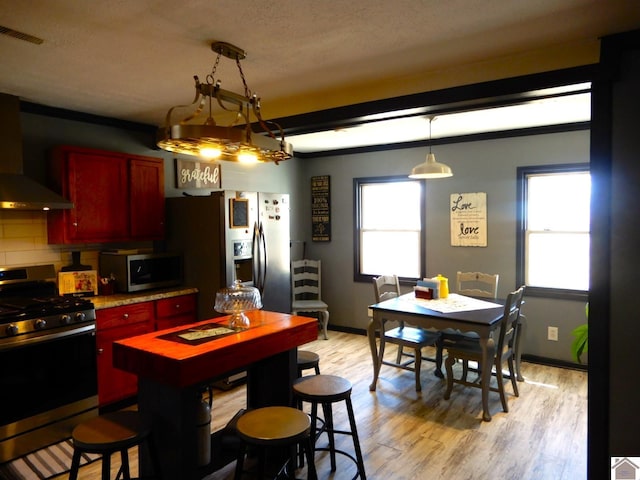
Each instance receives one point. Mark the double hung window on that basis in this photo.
(389, 236)
(553, 236)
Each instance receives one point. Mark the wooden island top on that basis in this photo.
(174, 365)
(164, 358)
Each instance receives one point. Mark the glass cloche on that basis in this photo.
(236, 300)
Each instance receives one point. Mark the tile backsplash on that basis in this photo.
(23, 241)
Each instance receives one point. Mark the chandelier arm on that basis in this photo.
(195, 100)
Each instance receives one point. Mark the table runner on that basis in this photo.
(453, 303)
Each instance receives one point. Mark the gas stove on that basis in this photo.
(30, 306)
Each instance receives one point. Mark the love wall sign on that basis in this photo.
(468, 219)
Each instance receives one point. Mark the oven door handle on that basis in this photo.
(47, 337)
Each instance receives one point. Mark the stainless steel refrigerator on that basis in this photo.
(233, 235)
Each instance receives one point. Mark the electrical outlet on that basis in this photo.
(552, 333)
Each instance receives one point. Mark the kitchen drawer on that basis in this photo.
(125, 315)
(174, 311)
(175, 306)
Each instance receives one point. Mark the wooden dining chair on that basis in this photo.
(306, 291)
(468, 349)
(471, 284)
(477, 284)
(413, 338)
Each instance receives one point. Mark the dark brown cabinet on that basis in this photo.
(117, 197)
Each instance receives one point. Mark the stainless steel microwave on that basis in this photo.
(137, 272)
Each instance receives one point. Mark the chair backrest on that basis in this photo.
(509, 321)
(306, 279)
(386, 287)
(477, 284)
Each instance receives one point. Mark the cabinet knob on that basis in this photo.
(100, 351)
(177, 306)
(125, 316)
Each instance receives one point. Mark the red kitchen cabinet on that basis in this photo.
(117, 197)
(175, 311)
(146, 189)
(114, 324)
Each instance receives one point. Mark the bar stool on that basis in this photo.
(110, 433)
(269, 427)
(307, 360)
(327, 390)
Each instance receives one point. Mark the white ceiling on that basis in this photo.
(133, 59)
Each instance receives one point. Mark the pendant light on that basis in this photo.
(430, 168)
(198, 133)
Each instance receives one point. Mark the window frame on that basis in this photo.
(358, 276)
(521, 227)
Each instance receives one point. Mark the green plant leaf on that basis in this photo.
(580, 342)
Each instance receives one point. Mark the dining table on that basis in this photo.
(457, 312)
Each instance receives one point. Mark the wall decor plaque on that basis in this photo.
(197, 174)
(321, 208)
(468, 219)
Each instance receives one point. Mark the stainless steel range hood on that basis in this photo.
(18, 191)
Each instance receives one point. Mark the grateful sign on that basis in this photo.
(197, 174)
(468, 219)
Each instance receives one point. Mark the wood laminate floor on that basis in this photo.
(409, 435)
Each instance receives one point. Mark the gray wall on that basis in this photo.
(485, 166)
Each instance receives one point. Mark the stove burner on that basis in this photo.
(30, 305)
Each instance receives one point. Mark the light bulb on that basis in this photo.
(210, 151)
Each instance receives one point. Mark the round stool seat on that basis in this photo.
(110, 432)
(273, 426)
(307, 360)
(322, 388)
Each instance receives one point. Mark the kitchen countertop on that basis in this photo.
(120, 299)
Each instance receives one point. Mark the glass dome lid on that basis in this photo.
(236, 300)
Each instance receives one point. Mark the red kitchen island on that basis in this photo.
(173, 366)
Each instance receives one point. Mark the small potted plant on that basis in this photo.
(580, 342)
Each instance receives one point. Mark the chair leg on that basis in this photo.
(465, 369)
(75, 465)
(106, 466)
(512, 371)
(399, 355)
(500, 380)
(449, 367)
(328, 419)
(240, 462)
(325, 323)
(439, 348)
(356, 440)
(417, 364)
(311, 466)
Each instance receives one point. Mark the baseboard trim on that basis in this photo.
(551, 362)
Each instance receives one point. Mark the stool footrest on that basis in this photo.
(341, 452)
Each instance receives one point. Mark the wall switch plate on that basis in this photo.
(552, 333)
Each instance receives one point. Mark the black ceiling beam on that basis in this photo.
(456, 99)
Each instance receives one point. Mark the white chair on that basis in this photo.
(477, 284)
(306, 288)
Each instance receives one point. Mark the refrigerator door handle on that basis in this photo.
(259, 257)
(263, 259)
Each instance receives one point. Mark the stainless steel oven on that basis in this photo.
(48, 371)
